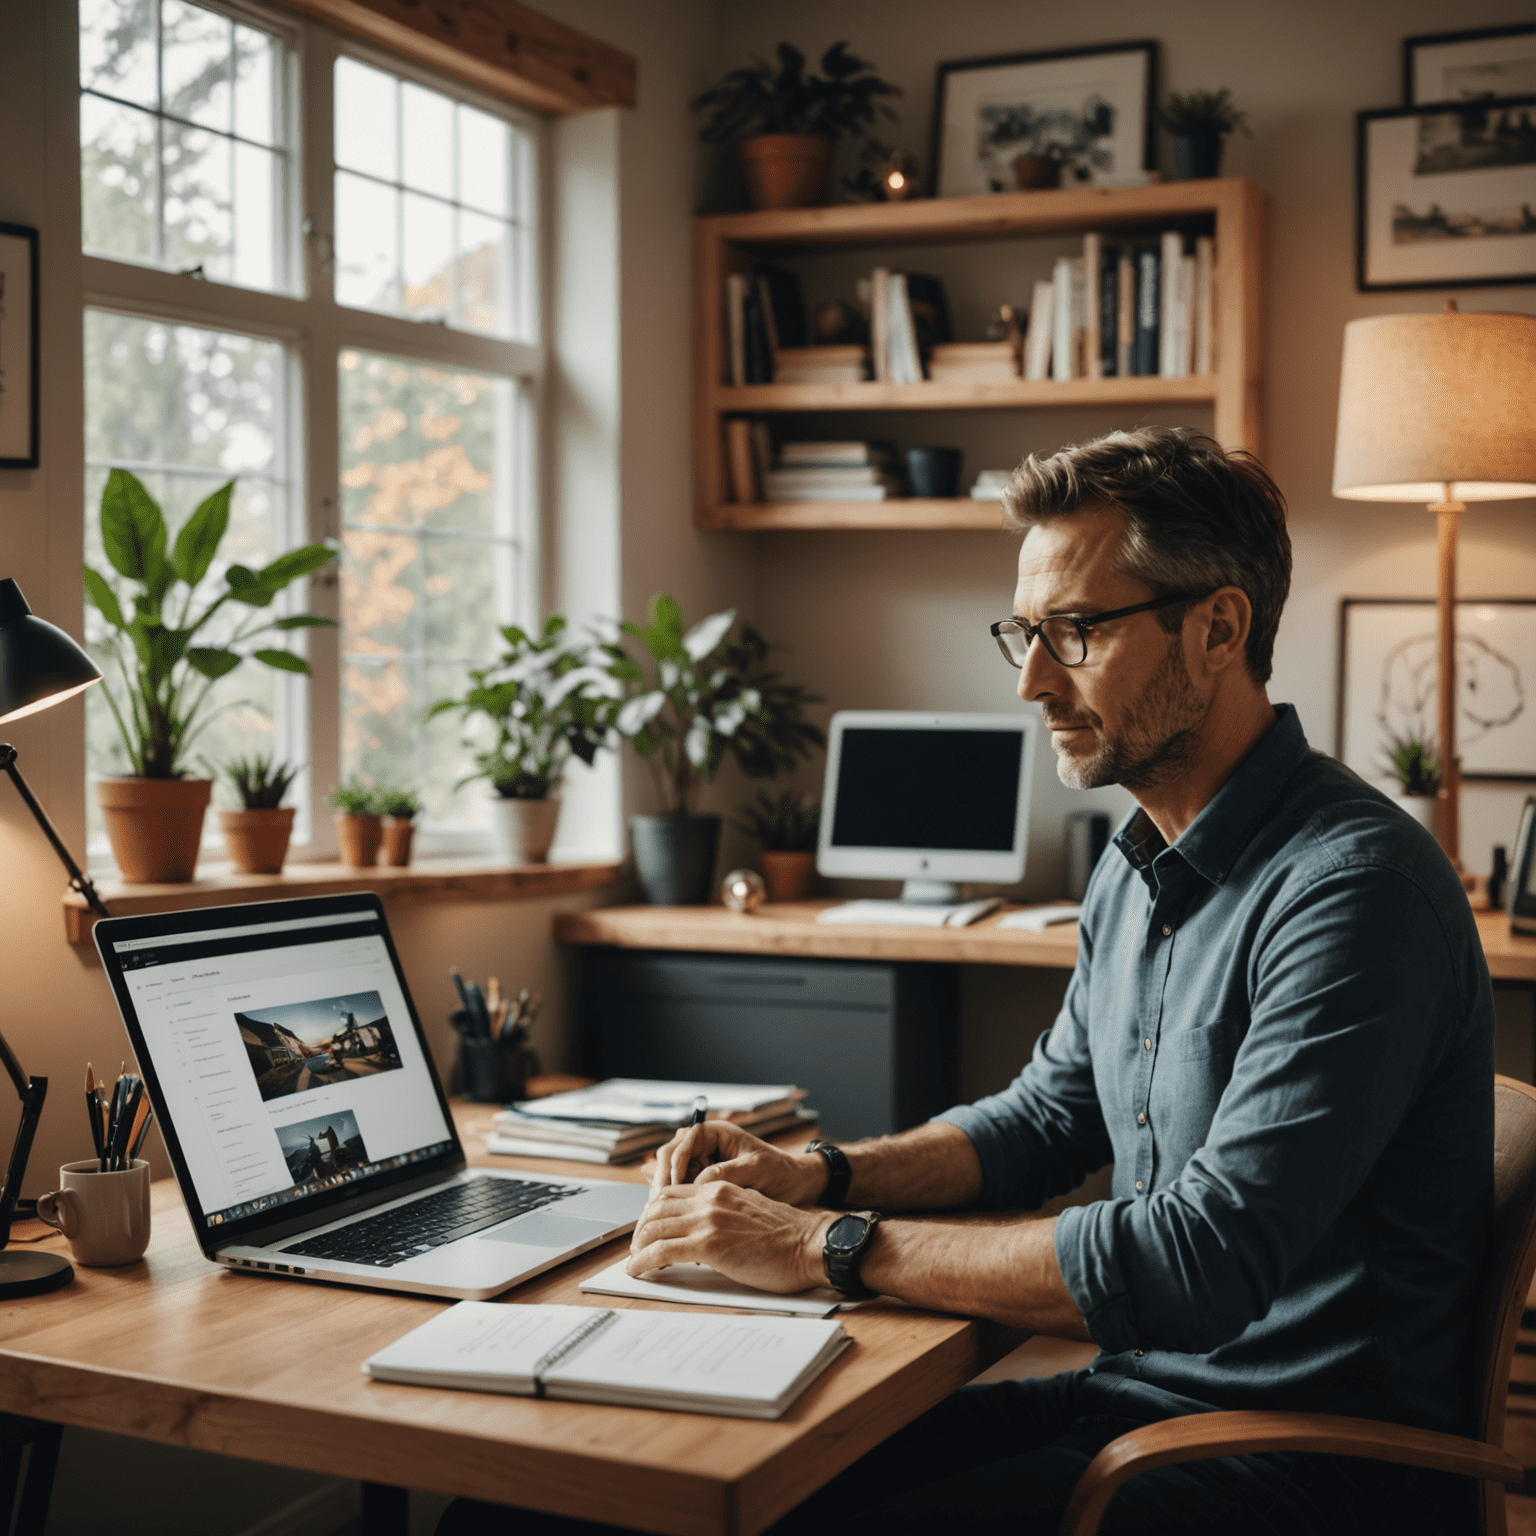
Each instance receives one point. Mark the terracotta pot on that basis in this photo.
(1037, 173)
(156, 826)
(358, 839)
(398, 832)
(786, 170)
(787, 875)
(257, 841)
(525, 828)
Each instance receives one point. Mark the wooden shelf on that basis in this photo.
(434, 880)
(1232, 207)
(760, 399)
(962, 514)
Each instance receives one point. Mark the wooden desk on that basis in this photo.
(178, 1350)
(790, 928)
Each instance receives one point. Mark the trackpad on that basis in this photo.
(545, 1229)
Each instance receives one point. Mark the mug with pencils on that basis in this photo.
(105, 1216)
(494, 1058)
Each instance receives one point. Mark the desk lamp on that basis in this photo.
(39, 666)
(1438, 409)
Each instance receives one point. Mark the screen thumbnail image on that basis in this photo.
(323, 1147)
(298, 1046)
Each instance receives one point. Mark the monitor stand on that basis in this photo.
(929, 893)
(923, 904)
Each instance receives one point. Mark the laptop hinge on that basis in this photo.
(265, 1237)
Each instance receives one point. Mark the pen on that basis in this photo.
(138, 1141)
(458, 982)
(93, 1111)
(700, 1110)
(476, 1005)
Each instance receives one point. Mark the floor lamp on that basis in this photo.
(40, 666)
(1439, 410)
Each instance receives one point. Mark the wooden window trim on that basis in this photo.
(511, 51)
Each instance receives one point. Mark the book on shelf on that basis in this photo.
(908, 317)
(740, 463)
(1205, 305)
(989, 362)
(841, 364)
(888, 489)
(1037, 338)
(1125, 313)
(1148, 310)
(743, 1366)
(809, 476)
(783, 303)
(1093, 305)
(791, 454)
(906, 360)
(990, 484)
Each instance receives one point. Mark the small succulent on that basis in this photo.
(260, 782)
(1203, 112)
(785, 824)
(402, 804)
(354, 798)
(1415, 763)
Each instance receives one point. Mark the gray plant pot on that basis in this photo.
(1196, 155)
(675, 858)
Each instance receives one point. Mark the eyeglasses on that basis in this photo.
(1066, 634)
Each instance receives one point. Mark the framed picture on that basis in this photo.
(1090, 106)
(1469, 66)
(19, 351)
(1388, 684)
(1521, 900)
(1447, 195)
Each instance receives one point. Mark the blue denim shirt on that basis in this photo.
(1280, 1031)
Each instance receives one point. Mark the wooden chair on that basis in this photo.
(1507, 1279)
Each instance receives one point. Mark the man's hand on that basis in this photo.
(745, 1235)
(718, 1150)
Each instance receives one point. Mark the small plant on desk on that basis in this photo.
(359, 822)
(788, 830)
(256, 836)
(399, 808)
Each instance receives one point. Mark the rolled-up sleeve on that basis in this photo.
(1344, 986)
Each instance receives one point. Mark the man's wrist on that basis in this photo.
(815, 1252)
(815, 1178)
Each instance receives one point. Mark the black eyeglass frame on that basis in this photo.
(1082, 623)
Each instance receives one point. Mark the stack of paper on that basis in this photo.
(622, 1119)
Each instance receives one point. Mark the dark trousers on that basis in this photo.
(1006, 1457)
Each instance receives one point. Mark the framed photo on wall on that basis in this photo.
(19, 348)
(1388, 671)
(1447, 195)
(1495, 62)
(1092, 107)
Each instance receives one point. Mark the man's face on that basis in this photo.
(1129, 713)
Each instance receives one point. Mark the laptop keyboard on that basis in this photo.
(409, 1231)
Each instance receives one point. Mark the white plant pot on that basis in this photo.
(525, 828)
(1422, 809)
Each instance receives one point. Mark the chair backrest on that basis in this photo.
(1511, 1252)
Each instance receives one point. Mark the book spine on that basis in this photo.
(1108, 300)
(770, 321)
(736, 322)
(762, 450)
(1148, 307)
(1093, 341)
(880, 324)
(1184, 353)
(759, 359)
(1061, 309)
(1037, 342)
(738, 459)
(1205, 306)
(568, 1345)
(1125, 314)
(1168, 318)
(905, 366)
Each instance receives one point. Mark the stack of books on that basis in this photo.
(852, 471)
(990, 484)
(623, 1118)
(983, 362)
(821, 365)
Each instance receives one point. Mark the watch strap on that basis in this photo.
(839, 1174)
(843, 1267)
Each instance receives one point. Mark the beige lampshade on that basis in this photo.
(1427, 401)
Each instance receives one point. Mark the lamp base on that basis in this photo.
(31, 1274)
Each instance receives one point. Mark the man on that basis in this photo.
(1279, 1032)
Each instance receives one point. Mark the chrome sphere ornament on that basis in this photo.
(743, 890)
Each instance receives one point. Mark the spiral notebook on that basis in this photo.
(745, 1367)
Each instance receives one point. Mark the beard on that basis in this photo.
(1158, 741)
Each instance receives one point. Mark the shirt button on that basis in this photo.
(1146, 1045)
(1139, 1353)
(1141, 1119)
(1138, 1183)
(1167, 931)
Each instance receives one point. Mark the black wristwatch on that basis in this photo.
(839, 1173)
(847, 1240)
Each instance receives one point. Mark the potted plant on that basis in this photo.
(696, 695)
(1200, 122)
(786, 121)
(399, 808)
(1417, 767)
(359, 823)
(256, 836)
(788, 829)
(154, 815)
(547, 702)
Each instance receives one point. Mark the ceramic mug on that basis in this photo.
(105, 1216)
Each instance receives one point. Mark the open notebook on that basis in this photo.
(747, 1367)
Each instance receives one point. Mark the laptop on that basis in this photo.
(309, 1131)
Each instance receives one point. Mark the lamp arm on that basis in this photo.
(31, 1112)
(78, 879)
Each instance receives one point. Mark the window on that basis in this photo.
(353, 337)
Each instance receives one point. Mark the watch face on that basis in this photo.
(846, 1233)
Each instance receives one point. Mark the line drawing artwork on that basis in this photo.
(1490, 693)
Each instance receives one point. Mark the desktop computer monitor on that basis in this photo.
(930, 799)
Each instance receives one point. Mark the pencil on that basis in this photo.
(93, 1113)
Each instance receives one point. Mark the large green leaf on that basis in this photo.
(105, 599)
(200, 536)
(305, 621)
(211, 661)
(296, 563)
(283, 661)
(707, 634)
(132, 529)
(245, 586)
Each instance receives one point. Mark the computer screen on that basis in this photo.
(927, 796)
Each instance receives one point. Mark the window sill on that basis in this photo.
(431, 880)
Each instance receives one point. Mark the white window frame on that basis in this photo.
(316, 330)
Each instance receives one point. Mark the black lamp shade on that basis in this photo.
(39, 664)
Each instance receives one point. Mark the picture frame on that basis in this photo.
(20, 350)
(1387, 684)
(1444, 195)
(1521, 898)
(1490, 63)
(1094, 105)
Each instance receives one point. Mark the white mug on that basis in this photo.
(105, 1216)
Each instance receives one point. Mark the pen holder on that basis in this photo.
(488, 1071)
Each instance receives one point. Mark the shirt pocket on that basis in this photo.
(1208, 1042)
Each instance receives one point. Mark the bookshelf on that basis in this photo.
(1230, 206)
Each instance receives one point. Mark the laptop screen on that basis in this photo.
(284, 1054)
